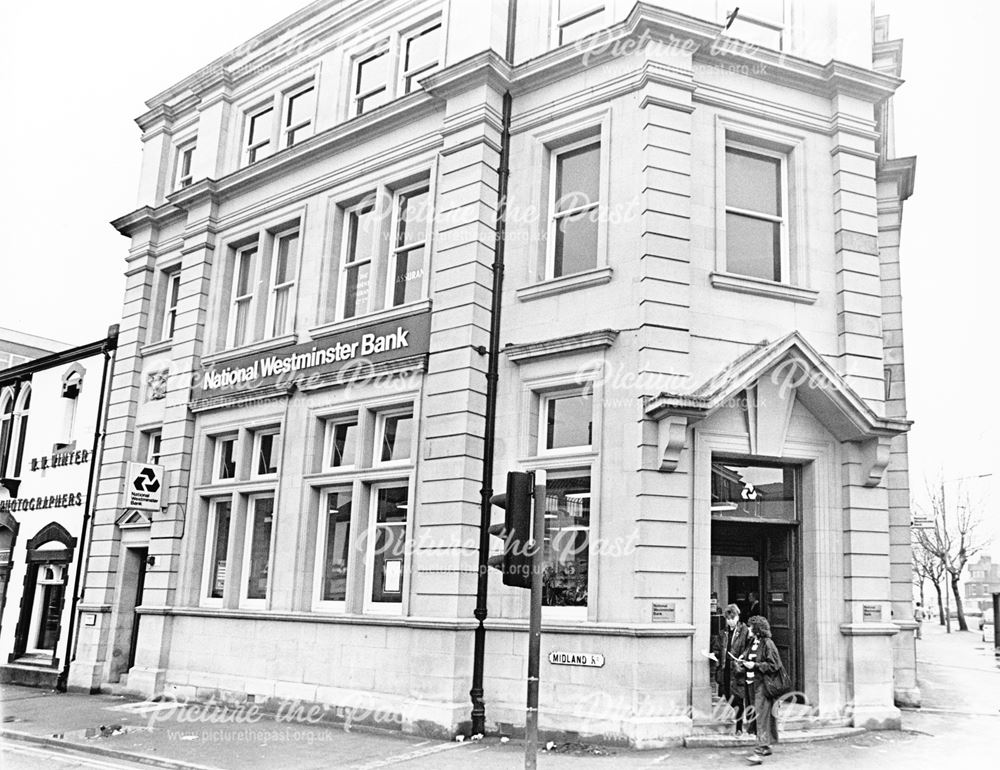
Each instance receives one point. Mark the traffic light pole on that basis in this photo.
(535, 624)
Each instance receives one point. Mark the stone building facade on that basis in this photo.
(701, 346)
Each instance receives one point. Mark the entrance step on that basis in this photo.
(118, 688)
(29, 675)
(801, 735)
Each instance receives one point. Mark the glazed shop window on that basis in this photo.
(393, 437)
(756, 210)
(342, 439)
(578, 18)
(754, 492)
(265, 452)
(387, 543)
(566, 422)
(257, 549)
(566, 549)
(409, 253)
(574, 209)
(224, 465)
(220, 517)
(334, 543)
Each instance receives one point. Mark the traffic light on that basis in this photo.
(516, 560)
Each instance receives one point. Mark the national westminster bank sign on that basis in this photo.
(352, 354)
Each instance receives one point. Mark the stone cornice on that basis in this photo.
(486, 68)
(901, 170)
(561, 345)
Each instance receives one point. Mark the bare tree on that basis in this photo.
(952, 540)
(926, 567)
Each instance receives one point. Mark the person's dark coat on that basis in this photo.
(720, 646)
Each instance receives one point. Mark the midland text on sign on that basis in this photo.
(591, 659)
(371, 345)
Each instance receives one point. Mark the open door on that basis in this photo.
(780, 596)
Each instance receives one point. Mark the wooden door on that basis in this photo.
(779, 600)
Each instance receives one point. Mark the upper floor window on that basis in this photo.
(761, 22)
(578, 18)
(359, 253)
(280, 122)
(262, 281)
(171, 293)
(756, 233)
(224, 465)
(393, 437)
(567, 422)
(394, 66)
(575, 207)
(341, 442)
(266, 448)
(286, 249)
(421, 54)
(13, 429)
(371, 82)
(154, 447)
(185, 156)
(406, 270)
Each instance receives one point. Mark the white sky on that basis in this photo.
(75, 75)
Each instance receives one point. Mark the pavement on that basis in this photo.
(960, 717)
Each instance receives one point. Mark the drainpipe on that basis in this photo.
(492, 378)
(109, 348)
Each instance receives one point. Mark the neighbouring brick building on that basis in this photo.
(701, 345)
(982, 583)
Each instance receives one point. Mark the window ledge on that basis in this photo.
(546, 288)
(253, 347)
(156, 347)
(744, 284)
(360, 322)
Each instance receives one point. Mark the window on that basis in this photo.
(394, 437)
(760, 22)
(371, 82)
(257, 551)
(218, 533)
(184, 177)
(406, 272)
(566, 550)
(225, 458)
(387, 544)
(421, 54)
(756, 237)
(259, 139)
(154, 443)
(334, 538)
(567, 422)
(265, 452)
(341, 443)
(283, 262)
(578, 18)
(359, 252)
(171, 293)
(13, 429)
(243, 296)
(741, 491)
(575, 209)
(300, 107)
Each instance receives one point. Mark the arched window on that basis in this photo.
(72, 383)
(6, 427)
(20, 427)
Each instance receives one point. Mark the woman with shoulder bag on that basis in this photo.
(766, 682)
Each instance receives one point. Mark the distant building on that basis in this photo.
(983, 582)
(18, 348)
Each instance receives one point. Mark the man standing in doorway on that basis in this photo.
(728, 645)
(754, 602)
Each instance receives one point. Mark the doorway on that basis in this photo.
(140, 555)
(756, 561)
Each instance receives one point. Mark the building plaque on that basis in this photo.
(871, 613)
(664, 612)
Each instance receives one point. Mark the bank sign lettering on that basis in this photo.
(352, 352)
(144, 486)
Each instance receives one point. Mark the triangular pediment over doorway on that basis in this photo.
(767, 381)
